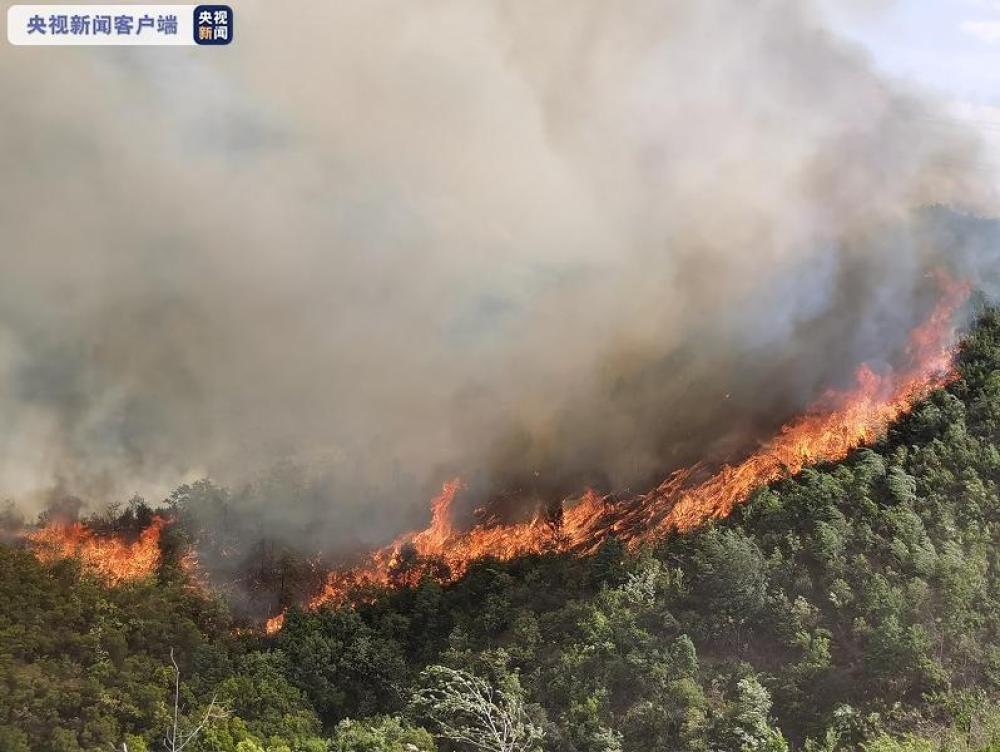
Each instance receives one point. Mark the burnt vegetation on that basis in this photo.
(855, 606)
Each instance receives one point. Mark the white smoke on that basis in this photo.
(538, 244)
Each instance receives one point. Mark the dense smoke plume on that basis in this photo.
(539, 245)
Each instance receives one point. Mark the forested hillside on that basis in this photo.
(856, 606)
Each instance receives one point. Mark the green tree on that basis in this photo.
(380, 734)
(473, 713)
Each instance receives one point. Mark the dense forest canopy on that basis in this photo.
(855, 606)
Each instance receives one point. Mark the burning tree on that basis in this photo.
(835, 425)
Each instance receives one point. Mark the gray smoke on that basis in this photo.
(535, 244)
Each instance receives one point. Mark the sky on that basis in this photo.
(949, 47)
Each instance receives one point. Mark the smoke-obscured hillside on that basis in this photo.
(856, 606)
(538, 247)
(604, 263)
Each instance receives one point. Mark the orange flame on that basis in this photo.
(840, 422)
(113, 559)
(274, 624)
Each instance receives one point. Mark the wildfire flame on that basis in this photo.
(274, 624)
(838, 423)
(112, 558)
